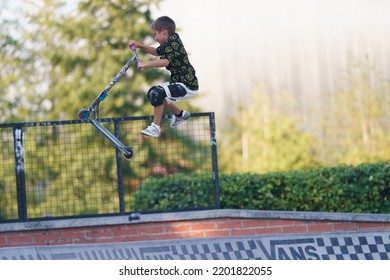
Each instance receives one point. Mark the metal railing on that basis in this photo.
(62, 169)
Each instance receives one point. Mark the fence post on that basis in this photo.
(214, 159)
(20, 173)
(119, 171)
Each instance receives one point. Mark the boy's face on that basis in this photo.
(161, 36)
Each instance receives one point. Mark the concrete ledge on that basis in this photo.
(193, 215)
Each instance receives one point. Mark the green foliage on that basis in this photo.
(60, 62)
(71, 170)
(86, 49)
(175, 192)
(2, 215)
(60, 182)
(365, 188)
(54, 67)
(361, 189)
(8, 198)
(13, 65)
(354, 127)
(351, 127)
(264, 139)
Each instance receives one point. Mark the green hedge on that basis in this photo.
(174, 192)
(361, 189)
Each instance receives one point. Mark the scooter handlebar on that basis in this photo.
(134, 49)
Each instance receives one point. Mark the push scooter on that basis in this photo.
(91, 113)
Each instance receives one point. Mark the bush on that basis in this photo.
(174, 192)
(361, 189)
(365, 188)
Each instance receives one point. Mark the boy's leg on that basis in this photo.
(173, 108)
(158, 112)
(179, 115)
(154, 129)
(177, 92)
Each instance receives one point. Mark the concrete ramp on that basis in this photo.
(371, 245)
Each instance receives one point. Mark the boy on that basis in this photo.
(183, 83)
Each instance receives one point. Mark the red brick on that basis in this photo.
(33, 232)
(294, 229)
(88, 241)
(216, 233)
(72, 235)
(370, 225)
(151, 229)
(190, 234)
(179, 227)
(136, 238)
(3, 240)
(299, 222)
(153, 237)
(46, 237)
(18, 240)
(254, 223)
(120, 239)
(124, 232)
(319, 228)
(242, 232)
(60, 242)
(165, 236)
(131, 229)
(344, 226)
(273, 230)
(205, 226)
(273, 223)
(229, 224)
(98, 234)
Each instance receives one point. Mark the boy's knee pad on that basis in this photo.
(156, 95)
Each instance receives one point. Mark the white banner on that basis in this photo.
(207, 270)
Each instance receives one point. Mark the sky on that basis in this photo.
(295, 46)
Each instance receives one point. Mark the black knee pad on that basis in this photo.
(156, 95)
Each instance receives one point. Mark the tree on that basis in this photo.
(72, 57)
(15, 61)
(82, 51)
(355, 125)
(262, 139)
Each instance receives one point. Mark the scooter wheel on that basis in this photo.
(129, 155)
(84, 114)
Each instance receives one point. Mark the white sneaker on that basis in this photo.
(178, 120)
(152, 131)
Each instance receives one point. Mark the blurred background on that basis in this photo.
(294, 83)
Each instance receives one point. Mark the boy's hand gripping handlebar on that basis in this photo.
(134, 49)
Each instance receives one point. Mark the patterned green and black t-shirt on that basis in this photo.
(179, 64)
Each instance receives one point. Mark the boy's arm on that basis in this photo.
(151, 50)
(148, 49)
(155, 63)
(145, 48)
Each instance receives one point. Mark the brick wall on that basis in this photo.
(182, 225)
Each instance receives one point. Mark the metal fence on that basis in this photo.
(63, 169)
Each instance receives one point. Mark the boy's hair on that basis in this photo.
(164, 22)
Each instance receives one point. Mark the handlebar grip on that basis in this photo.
(134, 49)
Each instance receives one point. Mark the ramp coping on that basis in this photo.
(135, 218)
